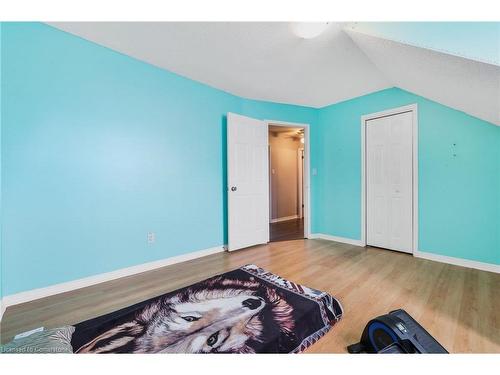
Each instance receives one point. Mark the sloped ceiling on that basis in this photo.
(266, 61)
(478, 41)
(256, 60)
(467, 85)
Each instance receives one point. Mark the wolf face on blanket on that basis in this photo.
(219, 315)
(247, 310)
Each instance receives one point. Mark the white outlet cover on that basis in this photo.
(151, 237)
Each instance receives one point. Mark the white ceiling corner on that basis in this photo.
(466, 85)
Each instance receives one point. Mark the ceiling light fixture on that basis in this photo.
(309, 30)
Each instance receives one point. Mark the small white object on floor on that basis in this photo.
(28, 333)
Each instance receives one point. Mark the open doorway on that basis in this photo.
(286, 182)
(249, 202)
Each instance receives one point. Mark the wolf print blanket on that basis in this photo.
(247, 310)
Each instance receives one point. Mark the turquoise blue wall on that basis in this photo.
(459, 196)
(98, 149)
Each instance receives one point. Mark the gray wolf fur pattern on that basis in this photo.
(219, 315)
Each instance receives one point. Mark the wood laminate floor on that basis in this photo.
(287, 230)
(458, 306)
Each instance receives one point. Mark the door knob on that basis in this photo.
(233, 188)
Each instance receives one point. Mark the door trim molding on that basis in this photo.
(307, 176)
(390, 112)
(300, 175)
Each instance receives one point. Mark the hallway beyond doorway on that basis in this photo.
(287, 230)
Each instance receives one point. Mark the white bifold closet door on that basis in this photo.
(248, 181)
(389, 182)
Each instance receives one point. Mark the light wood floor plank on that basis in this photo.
(459, 306)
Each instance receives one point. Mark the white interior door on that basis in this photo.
(389, 184)
(248, 181)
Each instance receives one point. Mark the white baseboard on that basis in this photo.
(328, 237)
(284, 218)
(421, 254)
(30, 295)
(458, 261)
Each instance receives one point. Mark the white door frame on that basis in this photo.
(307, 181)
(394, 111)
(300, 175)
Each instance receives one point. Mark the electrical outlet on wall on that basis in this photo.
(151, 237)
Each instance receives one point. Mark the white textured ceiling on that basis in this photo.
(467, 85)
(266, 61)
(257, 60)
